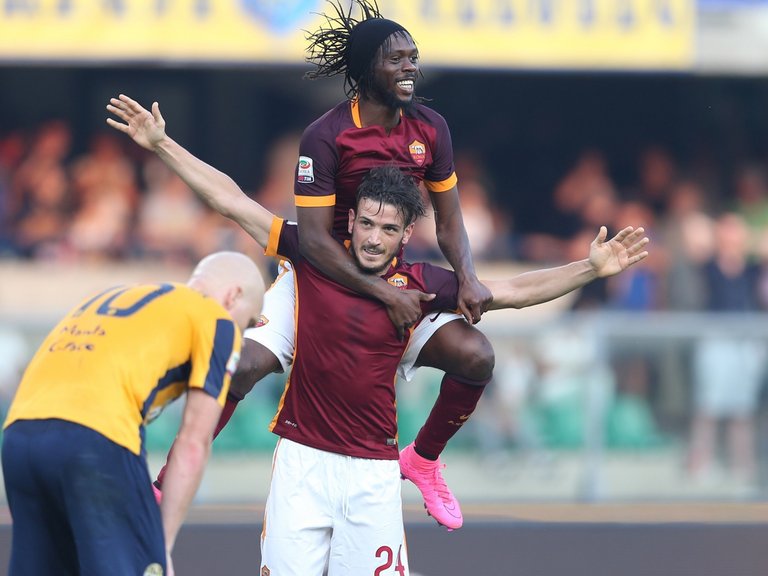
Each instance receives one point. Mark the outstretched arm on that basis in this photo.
(215, 188)
(606, 258)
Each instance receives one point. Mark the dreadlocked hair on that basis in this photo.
(329, 45)
(388, 184)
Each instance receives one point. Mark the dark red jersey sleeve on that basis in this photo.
(441, 173)
(283, 240)
(318, 163)
(444, 284)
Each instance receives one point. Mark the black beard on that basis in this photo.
(387, 97)
(376, 271)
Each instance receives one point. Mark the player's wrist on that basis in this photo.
(162, 145)
(592, 269)
(384, 292)
(467, 276)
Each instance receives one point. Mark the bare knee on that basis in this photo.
(478, 358)
(460, 349)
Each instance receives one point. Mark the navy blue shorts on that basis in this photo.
(80, 503)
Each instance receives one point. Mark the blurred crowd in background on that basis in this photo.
(112, 203)
(117, 202)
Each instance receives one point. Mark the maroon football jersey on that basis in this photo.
(340, 394)
(336, 152)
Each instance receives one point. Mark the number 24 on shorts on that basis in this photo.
(388, 556)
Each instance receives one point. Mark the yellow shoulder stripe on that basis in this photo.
(315, 201)
(442, 186)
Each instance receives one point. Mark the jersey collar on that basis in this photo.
(355, 109)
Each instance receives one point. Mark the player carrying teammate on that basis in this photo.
(334, 500)
(381, 123)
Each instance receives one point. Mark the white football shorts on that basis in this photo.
(332, 514)
(277, 323)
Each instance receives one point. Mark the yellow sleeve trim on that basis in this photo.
(443, 186)
(274, 236)
(315, 201)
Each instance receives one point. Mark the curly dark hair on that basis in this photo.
(340, 46)
(389, 185)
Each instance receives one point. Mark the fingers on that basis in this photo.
(636, 251)
(424, 297)
(117, 125)
(476, 309)
(628, 236)
(471, 313)
(635, 247)
(466, 313)
(119, 112)
(119, 109)
(602, 234)
(135, 118)
(643, 242)
(123, 106)
(407, 327)
(636, 234)
(637, 257)
(624, 234)
(126, 108)
(127, 103)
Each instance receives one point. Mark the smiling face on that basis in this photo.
(395, 72)
(378, 232)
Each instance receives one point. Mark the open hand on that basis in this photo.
(146, 128)
(619, 253)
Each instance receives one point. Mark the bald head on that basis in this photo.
(234, 280)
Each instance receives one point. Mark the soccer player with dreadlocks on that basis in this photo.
(381, 123)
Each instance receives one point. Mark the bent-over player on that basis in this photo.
(73, 453)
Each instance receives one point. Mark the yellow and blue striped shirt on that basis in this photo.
(117, 359)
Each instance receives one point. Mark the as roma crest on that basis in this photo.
(398, 281)
(418, 152)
